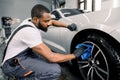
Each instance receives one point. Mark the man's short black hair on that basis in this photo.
(38, 10)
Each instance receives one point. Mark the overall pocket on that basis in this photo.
(13, 68)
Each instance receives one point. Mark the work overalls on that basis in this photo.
(28, 65)
(31, 66)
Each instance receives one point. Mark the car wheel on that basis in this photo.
(104, 63)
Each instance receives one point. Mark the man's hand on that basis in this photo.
(83, 51)
(79, 51)
(72, 27)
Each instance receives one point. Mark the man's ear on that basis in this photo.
(35, 20)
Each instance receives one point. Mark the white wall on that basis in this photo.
(71, 4)
(107, 4)
(20, 8)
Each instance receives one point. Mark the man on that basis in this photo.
(41, 64)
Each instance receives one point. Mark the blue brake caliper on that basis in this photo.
(88, 51)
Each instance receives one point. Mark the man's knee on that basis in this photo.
(55, 72)
(50, 68)
(56, 69)
(51, 72)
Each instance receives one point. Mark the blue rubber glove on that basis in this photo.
(83, 51)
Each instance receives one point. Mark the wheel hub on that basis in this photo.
(92, 63)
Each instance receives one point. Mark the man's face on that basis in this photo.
(45, 20)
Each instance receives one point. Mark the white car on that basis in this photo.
(100, 29)
(63, 13)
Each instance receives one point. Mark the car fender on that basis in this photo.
(99, 28)
(115, 34)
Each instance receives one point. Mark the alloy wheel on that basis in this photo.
(95, 67)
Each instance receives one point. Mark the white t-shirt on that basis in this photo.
(24, 38)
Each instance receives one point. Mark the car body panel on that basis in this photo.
(59, 39)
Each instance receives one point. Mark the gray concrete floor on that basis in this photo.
(2, 76)
(66, 74)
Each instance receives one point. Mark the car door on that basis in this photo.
(52, 38)
(55, 37)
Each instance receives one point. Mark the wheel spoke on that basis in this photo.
(88, 74)
(92, 73)
(84, 66)
(101, 70)
(96, 54)
(82, 62)
(99, 74)
(92, 48)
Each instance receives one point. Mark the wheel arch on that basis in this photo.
(86, 32)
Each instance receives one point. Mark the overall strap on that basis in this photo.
(19, 28)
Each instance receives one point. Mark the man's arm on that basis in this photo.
(71, 27)
(43, 50)
(59, 23)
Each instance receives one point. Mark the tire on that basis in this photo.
(104, 64)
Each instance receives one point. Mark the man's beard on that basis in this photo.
(42, 28)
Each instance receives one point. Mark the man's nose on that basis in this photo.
(49, 23)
